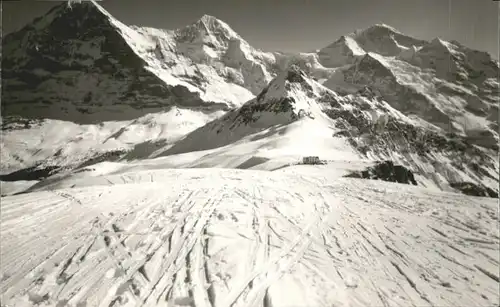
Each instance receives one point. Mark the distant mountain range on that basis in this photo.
(80, 87)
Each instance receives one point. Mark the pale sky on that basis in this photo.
(301, 25)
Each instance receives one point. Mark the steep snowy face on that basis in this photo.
(242, 59)
(466, 106)
(210, 42)
(204, 40)
(470, 75)
(211, 57)
(377, 72)
(454, 62)
(449, 132)
(79, 63)
(341, 52)
(381, 39)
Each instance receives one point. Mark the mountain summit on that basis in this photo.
(207, 30)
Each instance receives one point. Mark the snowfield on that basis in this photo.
(65, 143)
(225, 237)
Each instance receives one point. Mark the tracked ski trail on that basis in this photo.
(210, 238)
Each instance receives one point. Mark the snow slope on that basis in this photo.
(213, 237)
(67, 145)
(13, 187)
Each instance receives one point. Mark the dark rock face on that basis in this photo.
(390, 135)
(248, 113)
(262, 94)
(10, 123)
(31, 173)
(386, 171)
(40, 172)
(295, 75)
(109, 156)
(472, 189)
(402, 137)
(78, 59)
(58, 45)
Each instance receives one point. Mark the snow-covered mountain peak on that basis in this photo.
(381, 39)
(91, 5)
(212, 22)
(76, 13)
(59, 27)
(439, 44)
(290, 98)
(291, 83)
(379, 29)
(207, 30)
(456, 63)
(343, 51)
(384, 39)
(215, 25)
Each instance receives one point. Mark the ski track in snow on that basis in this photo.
(247, 238)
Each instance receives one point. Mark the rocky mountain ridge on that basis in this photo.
(373, 127)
